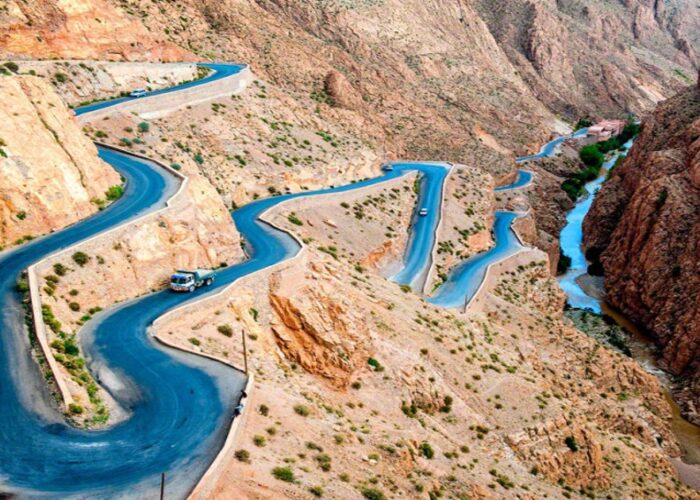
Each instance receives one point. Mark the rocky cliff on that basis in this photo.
(79, 29)
(596, 56)
(645, 227)
(50, 171)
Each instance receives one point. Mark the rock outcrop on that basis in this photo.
(79, 29)
(317, 327)
(50, 171)
(644, 227)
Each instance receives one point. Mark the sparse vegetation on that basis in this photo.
(302, 410)
(225, 330)
(284, 474)
(242, 456)
(294, 219)
(81, 258)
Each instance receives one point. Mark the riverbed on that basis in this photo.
(582, 293)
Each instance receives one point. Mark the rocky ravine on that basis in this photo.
(51, 174)
(645, 226)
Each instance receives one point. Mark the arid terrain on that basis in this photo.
(362, 388)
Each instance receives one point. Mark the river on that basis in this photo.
(642, 347)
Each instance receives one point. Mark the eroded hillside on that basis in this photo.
(51, 174)
(591, 57)
(79, 29)
(363, 388)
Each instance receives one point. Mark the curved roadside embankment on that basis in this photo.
(33, 280)
(156, 104)
(226, 80)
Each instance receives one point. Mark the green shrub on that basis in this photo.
(60, 77)
(583, 123)
(591, 156)
(144, 127)
(375, 364)
(114, 192)
(426, 450)
(194, 341)
(81, 258)
(225, 330)
(294, 219)
(316, 491)
(302, 410)
(570, 441)
(74, 306)
(324, 461)
(242, 456)
(60, 269)
(22, 286)
(70, 347)
(563, 264)
(373, 494)
(661, 199)
(283, 474)
(75, 409)
(199, 158)
(12, 66)
(259, 440)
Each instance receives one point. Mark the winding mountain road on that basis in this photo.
(180, 405)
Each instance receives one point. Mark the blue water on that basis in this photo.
(571, 242)
(219, 71)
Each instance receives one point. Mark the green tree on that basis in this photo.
(591, 156)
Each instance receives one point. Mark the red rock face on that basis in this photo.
(645, 224)
(79, 29)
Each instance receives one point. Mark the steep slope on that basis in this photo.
(645, 226)
(416, 79)
(594, 57)
(79, 29)
(51, 174)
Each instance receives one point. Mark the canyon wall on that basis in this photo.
(598, 57)
(50, 171)
(645, 227)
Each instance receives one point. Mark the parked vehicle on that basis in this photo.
(138, 93)
(188, 281)
(423, 212)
